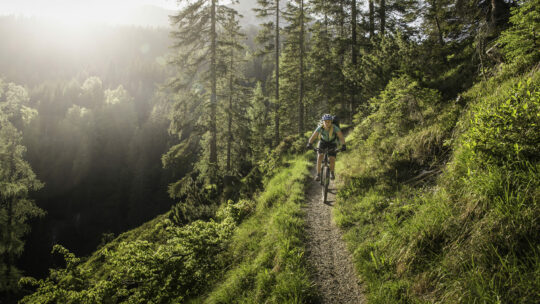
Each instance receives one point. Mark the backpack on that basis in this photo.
(335, 121)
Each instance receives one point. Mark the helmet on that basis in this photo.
(327, 117)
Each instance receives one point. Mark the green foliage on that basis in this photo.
(471, 234)
(162, 262)
(520, 42)
(182, 263)
(17, 181)
(507, 128)
(267, 252)
(402, 133)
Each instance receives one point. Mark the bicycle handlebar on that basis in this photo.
(326, 150)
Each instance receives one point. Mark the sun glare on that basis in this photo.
(80, 14)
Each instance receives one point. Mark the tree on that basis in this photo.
(294, 57)
(196, 37)
(521, 41)
(231, 53)
(16, 181)
(258, 114)
(269, 38)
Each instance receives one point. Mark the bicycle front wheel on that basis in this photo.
(326, 182)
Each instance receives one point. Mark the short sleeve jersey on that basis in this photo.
(325, 136)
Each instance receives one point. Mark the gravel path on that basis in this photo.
(332, 269)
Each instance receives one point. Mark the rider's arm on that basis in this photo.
(313, 136)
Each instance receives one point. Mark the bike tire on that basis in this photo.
(326, 183)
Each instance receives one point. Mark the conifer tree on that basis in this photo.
(234, 91)
(323, 64)
(521, 41)
(294, 57)
(16, 181)
(195, 40)
(269, 37)
(258, 115)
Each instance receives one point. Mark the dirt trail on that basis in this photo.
(331, 263)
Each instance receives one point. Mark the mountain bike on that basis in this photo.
(325, 170)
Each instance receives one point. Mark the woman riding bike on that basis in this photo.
(328, 135)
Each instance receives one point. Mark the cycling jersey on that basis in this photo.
(325, 136)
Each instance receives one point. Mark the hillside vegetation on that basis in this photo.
(251, 252)
(446, 209)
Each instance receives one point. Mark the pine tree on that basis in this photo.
(323, 64)
(269, 37)
(294, 57)
(234, 91)
(258, 115)
(16, 181)
(521, 41)
(196, 39)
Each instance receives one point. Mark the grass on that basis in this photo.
(470, 234)
(267, 249)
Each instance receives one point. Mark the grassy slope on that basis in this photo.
(467, 230)
(268, 248)
(265, 257)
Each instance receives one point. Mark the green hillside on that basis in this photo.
(446, 210)
(251, 252)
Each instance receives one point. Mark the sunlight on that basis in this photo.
(83, 14)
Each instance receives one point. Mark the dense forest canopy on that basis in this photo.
(107, 128)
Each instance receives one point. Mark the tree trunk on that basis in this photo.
(500, 12)
(382, 16)
(276, 124)
(213, 98)
(371, 20)
(435, 14)
(301, 93)
(229, 125)
(354, 58)
(9, 252)
(341, 53)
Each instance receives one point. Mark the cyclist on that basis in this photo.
(328, 134)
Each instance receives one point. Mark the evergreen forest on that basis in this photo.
(169, 165)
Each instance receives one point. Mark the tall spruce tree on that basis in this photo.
(269, 37)
(195, 41)
(258, 115)
(323, 65)
(17, 180)
(295, 57)
(234, 92)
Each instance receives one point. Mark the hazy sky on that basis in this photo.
(79, 11)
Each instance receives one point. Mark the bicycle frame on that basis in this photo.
(325, 171)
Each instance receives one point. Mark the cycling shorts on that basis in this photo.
(332, 145)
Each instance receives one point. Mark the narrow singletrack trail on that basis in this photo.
(332, 268)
